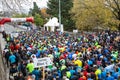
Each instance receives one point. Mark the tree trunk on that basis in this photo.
(119, 27)
(119, 20)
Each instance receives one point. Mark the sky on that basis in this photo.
(40, 3)
(26, 6)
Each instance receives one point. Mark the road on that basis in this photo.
(4, 71)
(9, 28)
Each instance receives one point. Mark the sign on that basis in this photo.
(14, 34)
(41, 62)
(75, 31)
(18, 19)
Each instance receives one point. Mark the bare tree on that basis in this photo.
(13, 5)
(114, 6)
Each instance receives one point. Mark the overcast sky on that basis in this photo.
(28, 5)
(40, 3)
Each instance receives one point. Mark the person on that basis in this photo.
(89, 77)
(12, 59)
(20, 76)
(7, 55)
(65, 77)
(37, 73)
(4, 34)
(88, 53)
(109, 77)
(78, 62)
(30, 77)
(30, 66)
(82, 77)
(21, 68)
(49, 76)
(13, 72)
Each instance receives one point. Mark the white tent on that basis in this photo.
(52, 24)
(48, 23)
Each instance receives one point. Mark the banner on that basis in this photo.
(42, 62)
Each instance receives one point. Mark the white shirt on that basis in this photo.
(33, 56)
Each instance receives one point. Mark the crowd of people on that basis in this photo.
(86, 56)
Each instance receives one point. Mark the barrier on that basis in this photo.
(5, 20)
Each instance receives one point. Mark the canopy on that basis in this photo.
(48, 23)
(53, 23)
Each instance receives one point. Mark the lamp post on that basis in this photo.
(59, 13)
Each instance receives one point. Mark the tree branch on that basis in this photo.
(117, 4)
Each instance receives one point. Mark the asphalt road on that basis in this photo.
(10, 28)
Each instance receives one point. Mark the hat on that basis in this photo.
(29, 48)
(6, 50)
(94, 65)
(101, 56)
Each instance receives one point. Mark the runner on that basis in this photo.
(88, 57)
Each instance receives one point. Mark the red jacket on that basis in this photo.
(12, 48)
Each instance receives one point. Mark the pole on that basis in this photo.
(59, 13)
(43, 73)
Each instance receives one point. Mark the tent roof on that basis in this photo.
(48, 23)
(52, 22)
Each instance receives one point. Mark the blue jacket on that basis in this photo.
(37, 74)
(12, 59)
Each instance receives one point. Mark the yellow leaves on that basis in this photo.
(90, 13)
(43, 12)
(113, 28)
(115, 22)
